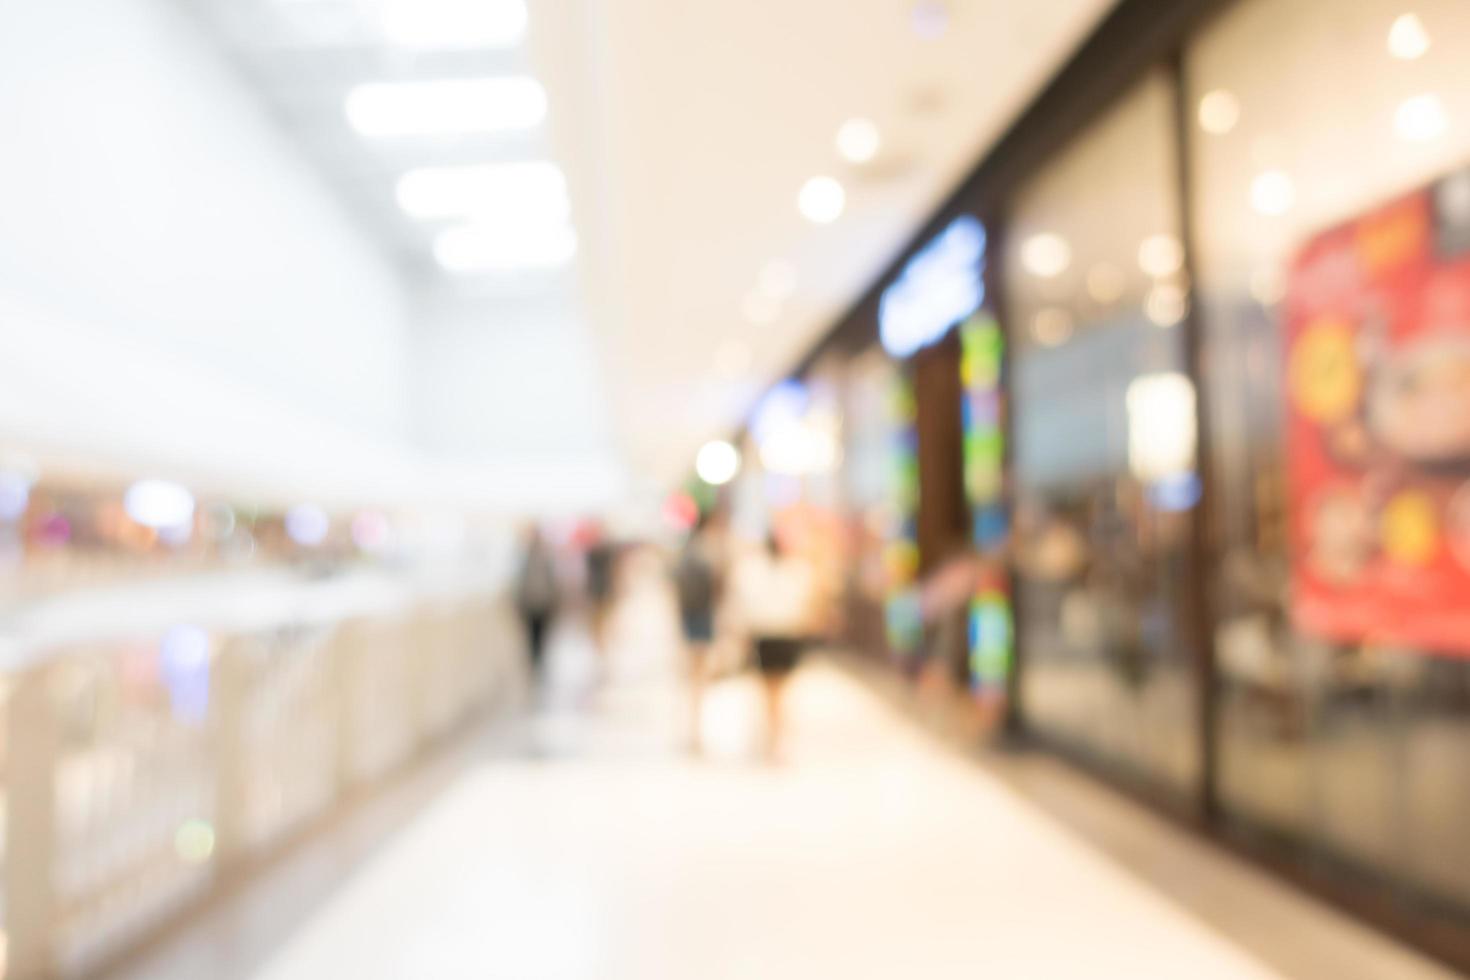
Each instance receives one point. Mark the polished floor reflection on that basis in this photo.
(581, 841)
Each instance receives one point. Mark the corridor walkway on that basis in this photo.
(579, 841)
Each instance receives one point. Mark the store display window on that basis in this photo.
(1332, 206)
(1104, 456)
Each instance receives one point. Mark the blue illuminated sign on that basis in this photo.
(940, 286)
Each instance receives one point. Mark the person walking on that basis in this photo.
(536, 597)
(698, 579)
(778, 598)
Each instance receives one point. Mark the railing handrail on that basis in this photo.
(229, 602)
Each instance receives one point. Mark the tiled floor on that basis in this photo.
(581, 842)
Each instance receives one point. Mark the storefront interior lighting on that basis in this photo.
(428, 24)
(15, 495)
(858, 140)
(1160, 255)
(1161, 426)
(446, 107)
(1421, 118)
(492, 248)
(1052, 326)
(792, 437)
(508, 193)
(717, 463)
(1046, 255)
(307, 525)
(1219, 111)
(1166, 304)
(939, 287)
(159, 504)
(1272, 193)
(1407, 37)
(821, 200)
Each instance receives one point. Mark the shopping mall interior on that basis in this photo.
(659, 489)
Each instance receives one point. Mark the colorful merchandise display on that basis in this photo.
(982, 358)
(1378, 416)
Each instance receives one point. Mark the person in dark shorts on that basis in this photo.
(778, 600)
(698, 581)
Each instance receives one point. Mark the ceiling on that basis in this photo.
(686, 131)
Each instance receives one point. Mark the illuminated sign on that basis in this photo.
(940, 286)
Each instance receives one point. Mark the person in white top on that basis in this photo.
(777, 596)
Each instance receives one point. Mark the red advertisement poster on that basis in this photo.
(1378, 416)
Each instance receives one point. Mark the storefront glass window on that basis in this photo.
(1329, 146)
(1104, 464)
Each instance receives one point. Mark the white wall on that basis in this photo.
(515, 387)
(182, 293)
(145, 195)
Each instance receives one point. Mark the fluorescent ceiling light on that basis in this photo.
(454, 23)
(446, 106)
(492, 248)
(533, 190)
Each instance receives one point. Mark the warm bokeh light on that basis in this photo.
(821, 200)
(1408, 39)
(858, 140)
(1219, 111)
(1046, 254)
(717, 462)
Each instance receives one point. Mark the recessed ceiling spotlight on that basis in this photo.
(1272, 193)
(1407, 38)
(446, 107)
(1421, 118)
(821, 200)
(929, 19)
(717, 462)
(858, 140)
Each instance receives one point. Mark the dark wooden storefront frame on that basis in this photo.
(1136, 37)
